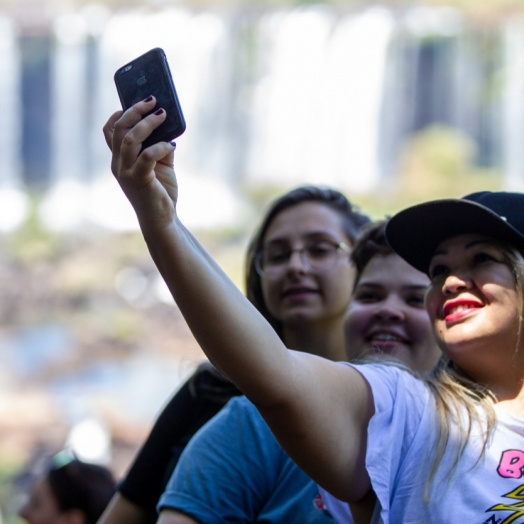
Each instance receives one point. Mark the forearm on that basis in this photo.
(233, 334)
(214, 308)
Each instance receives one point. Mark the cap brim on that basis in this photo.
(415, 233)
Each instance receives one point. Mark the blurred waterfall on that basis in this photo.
(316, 107)
(277, 97)
(513, 108)
(13, 201)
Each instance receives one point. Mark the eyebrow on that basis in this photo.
(312, 235)
(469, 245)
(414, 287)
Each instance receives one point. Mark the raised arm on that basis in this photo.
(318, 410)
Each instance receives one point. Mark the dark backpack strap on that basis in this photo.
(208, 383)
(200, 398)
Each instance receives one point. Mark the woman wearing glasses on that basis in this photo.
(69, 492)
(298, 275)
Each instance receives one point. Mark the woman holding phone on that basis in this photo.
(421, 445)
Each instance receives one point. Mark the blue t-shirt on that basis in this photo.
(234, 470)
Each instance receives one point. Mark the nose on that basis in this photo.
(455, 282)
(296, 261)
(391, 309)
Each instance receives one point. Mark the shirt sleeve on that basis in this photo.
(222, 475)
(400, 401)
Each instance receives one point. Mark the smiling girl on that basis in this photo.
(386, 316)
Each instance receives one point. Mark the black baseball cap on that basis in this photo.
(415, 232)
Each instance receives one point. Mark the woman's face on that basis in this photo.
(42, 506)
(297, 295)
(472, 302)
(386, 316)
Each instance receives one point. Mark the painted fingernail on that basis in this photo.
(173, 144)
(159, 112)
(148, 99)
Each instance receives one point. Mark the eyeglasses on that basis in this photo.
(317, 257)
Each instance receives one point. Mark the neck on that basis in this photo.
(514, 406)
(324, 341)
(509, 384)
(505, 379)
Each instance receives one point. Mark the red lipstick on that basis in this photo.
(457, 309)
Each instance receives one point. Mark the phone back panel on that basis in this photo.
(147, 75)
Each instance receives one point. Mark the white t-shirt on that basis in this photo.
(401, 440)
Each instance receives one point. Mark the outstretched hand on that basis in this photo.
(148, 177)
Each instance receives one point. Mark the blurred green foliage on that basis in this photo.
(32, 242)
(9, 499)
(437, 162)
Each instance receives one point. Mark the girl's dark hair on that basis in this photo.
(371, 242)
(82, 486)
(352, 222)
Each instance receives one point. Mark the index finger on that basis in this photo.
(109, 128)
(128, 120)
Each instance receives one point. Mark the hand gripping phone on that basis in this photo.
(147, 75)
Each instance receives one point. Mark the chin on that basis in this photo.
(294, 321)
(393, 352)
(300, 315)
(386, 348)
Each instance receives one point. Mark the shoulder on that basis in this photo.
(400, 429)
(392, 384)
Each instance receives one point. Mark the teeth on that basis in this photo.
(458, 309)
(386, 338)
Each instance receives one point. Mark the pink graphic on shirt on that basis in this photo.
(511, 464)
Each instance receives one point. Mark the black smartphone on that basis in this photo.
(149, 74)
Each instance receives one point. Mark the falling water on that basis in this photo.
(513, 108)
(277, 97)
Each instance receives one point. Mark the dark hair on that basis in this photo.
(83, 486)
(371, 242)
(352, 222)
